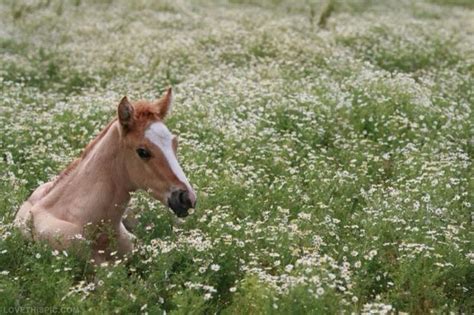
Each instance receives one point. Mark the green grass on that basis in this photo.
(333, 163)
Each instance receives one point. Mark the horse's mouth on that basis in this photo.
(178, 209)
(180, 203)
(181, 214)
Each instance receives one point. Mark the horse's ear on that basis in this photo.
(164, 104)
(125, 113)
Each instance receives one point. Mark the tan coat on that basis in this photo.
(89, 198)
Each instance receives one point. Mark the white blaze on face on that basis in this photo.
(160, 136)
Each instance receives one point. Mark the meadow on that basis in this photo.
(330, 144)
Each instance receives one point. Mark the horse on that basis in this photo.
(134, 151)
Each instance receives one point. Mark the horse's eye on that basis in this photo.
(144, 154)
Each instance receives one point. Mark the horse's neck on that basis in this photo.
(98, 187)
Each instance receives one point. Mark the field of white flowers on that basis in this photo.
(330, 144)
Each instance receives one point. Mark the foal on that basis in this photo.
(135, 151)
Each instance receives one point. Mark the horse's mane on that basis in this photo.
(144, 111)
(84, 153)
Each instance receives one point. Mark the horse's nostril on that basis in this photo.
(184, 199)
(183, 196)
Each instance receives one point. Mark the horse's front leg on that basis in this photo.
(110, 243)
(125, 241)
(130, 219)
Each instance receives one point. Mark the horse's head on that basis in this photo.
(149, 151)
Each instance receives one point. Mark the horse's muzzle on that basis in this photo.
(180, 202)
